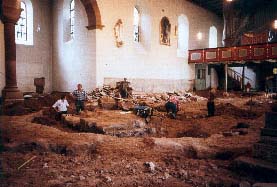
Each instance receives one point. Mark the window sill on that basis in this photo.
(22, 43)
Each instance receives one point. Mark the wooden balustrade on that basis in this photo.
(234, 54)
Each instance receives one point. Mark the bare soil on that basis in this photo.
(192, 150)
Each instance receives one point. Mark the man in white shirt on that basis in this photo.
(61, 107)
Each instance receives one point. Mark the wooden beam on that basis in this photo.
(226, 77)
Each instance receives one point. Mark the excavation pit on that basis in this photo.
(113, 123)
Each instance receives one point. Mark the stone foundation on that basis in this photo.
(266, 148)
(154, 85)
(263, 165)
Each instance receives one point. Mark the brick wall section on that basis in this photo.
(36, 61)
(2, 58)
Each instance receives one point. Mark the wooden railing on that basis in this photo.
(234, 54)
(236, 75)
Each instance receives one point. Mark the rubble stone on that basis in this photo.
(265, 185)
(126, 105)
(107, 103)
(244, 184)
(151, 166)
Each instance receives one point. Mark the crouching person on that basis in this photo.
(172, 106)
(61, 107)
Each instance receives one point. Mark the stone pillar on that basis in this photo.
(10, 14)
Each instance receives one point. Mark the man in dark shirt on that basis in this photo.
(172, 106)
(80, 96)
(124, 88)
(211, 105)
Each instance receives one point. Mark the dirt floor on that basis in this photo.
(191, 150)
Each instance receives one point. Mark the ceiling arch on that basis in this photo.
(93, 14)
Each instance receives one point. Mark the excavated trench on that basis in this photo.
(191, 123)
(161, 132)
(123, 125)
(191, 138)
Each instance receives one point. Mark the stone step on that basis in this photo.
(265, 152)
(271, 120)
(125, 128)
(258, 169)
(265, 185)
(268, 140)
(269, 132)
(130, 128)
(90, 126)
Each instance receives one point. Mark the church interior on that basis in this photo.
(138, 93)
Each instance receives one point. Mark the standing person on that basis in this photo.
(210, 105)
(61, 107)
(172, 106)
(124, 88)
(80, 96)
(248, 86)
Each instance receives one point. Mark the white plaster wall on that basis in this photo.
(73, 60)
(148, 60)
(34, 61)
(93, 59)
(249, 73)
(2, 58)
(212, 79)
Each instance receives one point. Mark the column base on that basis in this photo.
(13, 102)
(12, 93)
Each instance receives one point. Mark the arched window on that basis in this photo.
(24, 26)
(213, 37)
(136, 24)
(183, 35)
(72, 17)
(21, 25)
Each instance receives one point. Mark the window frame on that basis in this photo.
(21, 27)
(183, 33)
(136, 25)
(213, 37)
(29, 25)
(72, 18)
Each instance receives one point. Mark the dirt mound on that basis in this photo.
(229, 109)
(194, 132)
(44, 121)
(37, 102)
(216, 93)
(66, 157)
(34, 104)
(241, 125)
(50, 99)
(15, 109)
(149, 142)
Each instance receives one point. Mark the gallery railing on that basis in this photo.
(237, 54)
